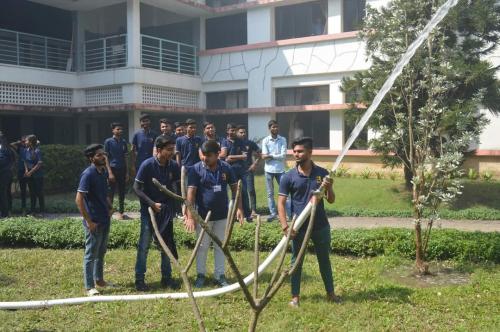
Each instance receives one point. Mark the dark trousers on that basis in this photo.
(321, 240)
(5, 181)
(23, 184)
(251, 190)
(35, 184)
(120, 177)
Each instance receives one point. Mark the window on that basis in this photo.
(227, 99)
(311, 95)
(221, 3)
(226, 31)
(353, 14)
(302, 20)
(311, 124)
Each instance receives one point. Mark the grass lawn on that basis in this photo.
(356, 197)
(372, 300)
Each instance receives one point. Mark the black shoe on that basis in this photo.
(170, 283)
(141, 286)
(249, 219)
(200, 281)
(221, 281)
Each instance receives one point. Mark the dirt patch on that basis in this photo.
(440, 275)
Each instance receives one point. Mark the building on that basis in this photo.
(69, 68)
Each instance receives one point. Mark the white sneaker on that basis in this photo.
(93, 292)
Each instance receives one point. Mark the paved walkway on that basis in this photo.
(371, 222)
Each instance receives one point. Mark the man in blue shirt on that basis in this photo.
(180, 129)
(165, 170)
(20, 147)
(117, 165)
(143, 142)
(93, 203)
(274, 154)
(167, 128)
(300, 182)
(207, 189)
(33, 166)
(186, 147)
(251, 149)
(6, 161)
(234, 153)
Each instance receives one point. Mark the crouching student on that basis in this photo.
(299, 183)
(207, 189)
(167, 172)
(94, 206)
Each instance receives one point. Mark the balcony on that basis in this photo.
(105, 53)
(23, 49)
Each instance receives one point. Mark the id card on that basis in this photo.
(217, 188)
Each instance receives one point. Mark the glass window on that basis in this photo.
(302, 20)
(353, 14)
(226, 31)
(227, 99)
(311, 95)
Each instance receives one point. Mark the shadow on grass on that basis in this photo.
(393, 294)
(6, 280)
(486, 194)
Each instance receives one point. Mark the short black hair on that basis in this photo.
(165, 121)
(116, 124)
(271, 123)
(210, 146)
(190, 122)
(163, 141)
(178, 124)
(206, 123)
(32, 139)
(241, 127)
(145, 117)
(307, 142)
(230, 125)
(90, 150)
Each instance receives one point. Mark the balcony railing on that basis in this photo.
(169, 55)
(105, 53)
(24, 49)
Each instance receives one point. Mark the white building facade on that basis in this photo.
(225, 60)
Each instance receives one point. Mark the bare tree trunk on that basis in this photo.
(422, 266)
(255, 318)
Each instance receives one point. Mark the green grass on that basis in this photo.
(372, 301)
(356, 197)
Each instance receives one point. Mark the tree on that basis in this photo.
(430, 118)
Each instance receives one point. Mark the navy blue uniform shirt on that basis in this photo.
(117, 151)
(167, 175)
(144, 143)
(300, 188)
(188, 148)
(6, 159)
(217, 139)
(211, 188)
(235, 147)
(20, 160)
(95, 187)
(32, 157)
(250, 148)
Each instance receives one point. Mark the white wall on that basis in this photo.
(260, 25)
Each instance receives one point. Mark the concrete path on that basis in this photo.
(369, 222)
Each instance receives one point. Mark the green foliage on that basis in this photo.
(341, 171)
(445, 244)
(487, 176)
(366, 173)
(472, 174)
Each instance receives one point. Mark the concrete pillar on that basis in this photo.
(133, 33)
(78, 99)
(334, 16)
(133, 123)
(257, 125)
(336, 117)
(203, 34)
(260, 25)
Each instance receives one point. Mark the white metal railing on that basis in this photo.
(105, 53)
(168, 55)
(24, 49)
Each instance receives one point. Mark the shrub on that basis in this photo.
(472, 174)
(487, 176)
(365, 174)
(445, 244)
(379, 175)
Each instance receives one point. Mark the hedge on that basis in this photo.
(444, 245)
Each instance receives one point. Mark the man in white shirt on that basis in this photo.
(274, 154)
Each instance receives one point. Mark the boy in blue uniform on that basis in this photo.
(235, 154)
(143, 142)
(117, 165)
(252, 149)
(186, 147)
(165, 170)
(207, 189)
(93, 203)
(34, 173)
(167, 128)
(6, 161)
(299, 183)
(19, 147)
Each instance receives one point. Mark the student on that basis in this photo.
(33, 172)
(207, 189)
(234, 153)
(19, 147)
(165, 170)
(299, 183)
(167, 128)
(186, 147)
(117, 165)
(143, 142)
(252, 149)
(93, 203)
(209, 134)
(7, 159)
(274, 155)
(180, 129)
